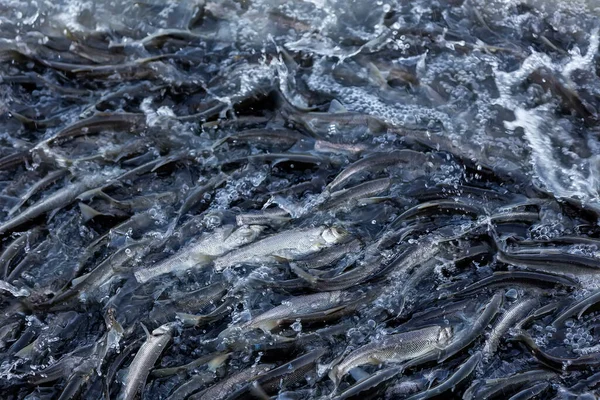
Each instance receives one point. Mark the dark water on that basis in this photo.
(274, 188)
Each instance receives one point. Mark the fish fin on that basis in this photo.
(52, 214)
(376, 125)
(376, 76)
(79, 279)
(336, 107)
(165, 161)
(88, 212)
(148, 334)
(334, 309)
(220, 142)
(269, 325)
(26, 351)
(303, 274)
(279, 258)
(217, 361)
(583, 310)
(257, 391)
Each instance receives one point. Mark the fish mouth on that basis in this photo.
(334, 234)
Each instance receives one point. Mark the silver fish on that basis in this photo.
(56, 200)
(394, 348)
(297, 307)
(145, 358)
(287, 245)
(508, 320)
(202, 251)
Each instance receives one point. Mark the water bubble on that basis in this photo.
(511, 294)
(297, 326)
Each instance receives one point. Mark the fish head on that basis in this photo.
(445, 335)
(250, 232)
(334, 234)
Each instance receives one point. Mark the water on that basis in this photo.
(143, 105)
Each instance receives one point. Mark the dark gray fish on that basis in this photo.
(22, 242)
(56, 200)
(557, 363)
(530, 392)
(577, 309)
(503, 278)
(269, 139)
(494, 388)
(225, 388)
(289, 373)
(347, 197)
(377, 162)
(369, 383)
(551, 260)
(462, 373)
(474, 329)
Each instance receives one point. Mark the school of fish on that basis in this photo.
(320, 199)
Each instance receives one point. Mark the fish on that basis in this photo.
(491, 388)
(551, 260)
(111, 267)
(195, 196)
(503, 278)
(530, 392)
(462, 373)
(47, 180)
(144, 360)
(554, 362)
(370, 382)
(508, 320)
(287, 245)
(577, 309)
(318, 305)
(269, 217)
(282, 139)
(289, 373)
(393, 348)
(214, 360)
(56, 200)
(376, 163)
(20, 243)
(474, 328)
(347, 197)
(227, 387)
(201, 252)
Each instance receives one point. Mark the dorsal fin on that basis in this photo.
(336, 107)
